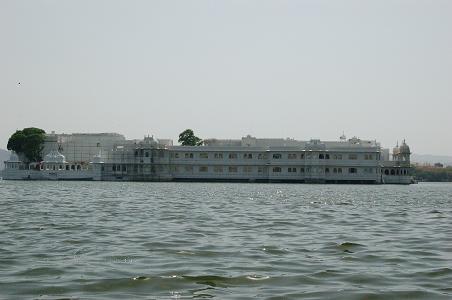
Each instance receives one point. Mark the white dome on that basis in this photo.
(13, 157)
(404, 148)
(54, 156)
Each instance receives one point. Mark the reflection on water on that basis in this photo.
(206, 240)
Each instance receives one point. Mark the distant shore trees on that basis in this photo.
(433, 174)
(188, 138)
(27, 143)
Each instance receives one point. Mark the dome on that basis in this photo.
(404, 148)
(396, 150)
(13, 157)
(54, 156)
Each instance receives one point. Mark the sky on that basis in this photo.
(300, 69)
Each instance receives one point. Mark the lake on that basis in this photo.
(114, 240)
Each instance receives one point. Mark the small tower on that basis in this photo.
(402, 154)
(396, 152)
(405, 153)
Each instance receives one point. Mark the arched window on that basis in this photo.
(386, 172)
(321, 156)
(276, 170)
(392, 172)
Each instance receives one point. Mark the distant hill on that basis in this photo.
(431, 159)
(4, 155)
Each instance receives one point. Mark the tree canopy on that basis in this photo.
(28, 142)
(188, 138)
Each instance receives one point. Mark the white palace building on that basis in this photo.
(110, 157)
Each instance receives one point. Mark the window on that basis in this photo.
(352, 170)
(218, 155)
(292, 156)
(301, 170)
(203, 169)
(321, 156)
(218, 169)
(292, 170)
(204, 155)
(260, 169)
(308, 156)
(124, 168)
(353, 156)
(334, 170)
(327, 170)
(368, 170)
(277, 156)
(232, 169)
(392, 172)
(146, 154)
(176, 155)
(113, 168)
(247, 169)
(188, 168)
(188, 155)
(339, 170)
(327, 156)
(302, 156)
(247, 155)
(262, 156)
(276, 170)
(232, 155)
(67, 167)
(337, 156)
(368, 157)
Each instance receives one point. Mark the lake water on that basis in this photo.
(110, 240)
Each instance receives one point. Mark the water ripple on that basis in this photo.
(106, 240)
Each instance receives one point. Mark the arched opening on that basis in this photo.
(276, 170)
(392, 172)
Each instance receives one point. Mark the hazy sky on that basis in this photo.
(303, 69)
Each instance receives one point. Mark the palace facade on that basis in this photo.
(113, 158)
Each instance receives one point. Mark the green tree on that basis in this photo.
(28, 142)
(188, 138)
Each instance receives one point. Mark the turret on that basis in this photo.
(401, 154)
(405, 153)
